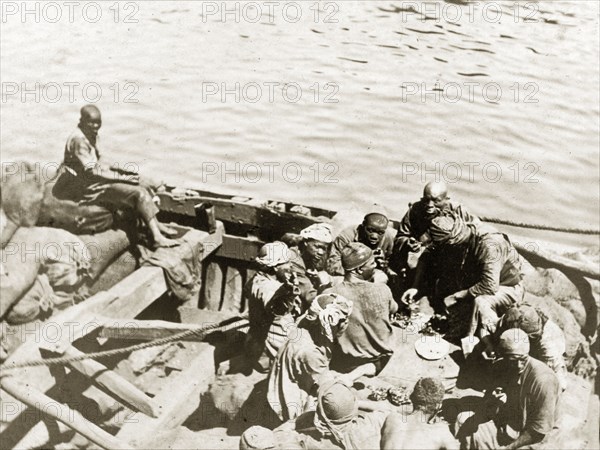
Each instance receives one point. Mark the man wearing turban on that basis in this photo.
(547, 341)
(520, 408)
(367, 342)
(485, 268)
(275, 301)
(413, 237)
(303, 361)
(309, 257)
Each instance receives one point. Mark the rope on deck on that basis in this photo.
(200, 332)
(539, 227)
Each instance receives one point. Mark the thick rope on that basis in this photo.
(201, 333)
(539, 227)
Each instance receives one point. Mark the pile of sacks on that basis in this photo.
(43, 263)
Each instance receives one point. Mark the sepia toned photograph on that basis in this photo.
(309, 224)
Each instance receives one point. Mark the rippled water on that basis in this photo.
(521, 141)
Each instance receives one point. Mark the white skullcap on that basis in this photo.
(273, 254)
(319, 232)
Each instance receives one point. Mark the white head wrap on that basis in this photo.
(319, 232)
(273, 254)
(330, 310)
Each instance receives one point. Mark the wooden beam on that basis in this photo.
(178, 398)
(61, 412)
(114, 385)
(246, 213)
(148, 330)
(235, 247)
(213, 286)
(232, 294)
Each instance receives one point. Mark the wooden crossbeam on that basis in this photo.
(62, 413)
(113, 384)
(147, 330)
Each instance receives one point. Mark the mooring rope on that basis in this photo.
(539, 227)
(200, 332)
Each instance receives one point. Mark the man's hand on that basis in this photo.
(413, 245)
(499, 395)
(452, 299)
(321, 277)
(409, 296)
(461, 294)
(379, 277)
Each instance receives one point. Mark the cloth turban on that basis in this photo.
(257, 437)
(524, 317)
(449, 229)
(513, 342)
(319, 232)
(330, 310)
(336, 406)
(273, 254)
(355, 255)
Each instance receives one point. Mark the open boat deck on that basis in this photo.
(107, 320)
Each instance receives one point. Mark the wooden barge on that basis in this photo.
(128, 306)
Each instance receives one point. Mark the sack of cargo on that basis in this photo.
(64, 257)
(18, 271)
(60, 212)
(37, 302)
(58, 254)
(20, 198)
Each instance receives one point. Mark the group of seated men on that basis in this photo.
(321, 313)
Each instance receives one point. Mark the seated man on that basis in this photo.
(546, 339)
(420, 430)
(274, 303)
(413, 235)
(372, 232)
(337, 422)
(342, 421)
(85, 179)
(521, 410)
(368, 340)
(487, 270)
(309, 258)
(303, 361)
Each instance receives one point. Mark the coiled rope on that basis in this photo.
(539, 227)
(201, 333)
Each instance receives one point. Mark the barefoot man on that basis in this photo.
(86, 180)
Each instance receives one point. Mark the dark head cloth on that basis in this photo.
(524, 317)
(513, 341)
(355, 255)
(449, 229)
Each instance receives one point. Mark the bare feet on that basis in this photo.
(165, 242)
(166, 230)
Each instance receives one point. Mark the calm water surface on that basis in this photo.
(502, 102)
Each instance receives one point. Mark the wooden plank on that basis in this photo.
(62, 413)
(40, 434)
(178, 398)
(113, 384)
(245, 213)
(213, 286)
(148, 330)
(136, 292)
(232, 295)
(241, 248)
